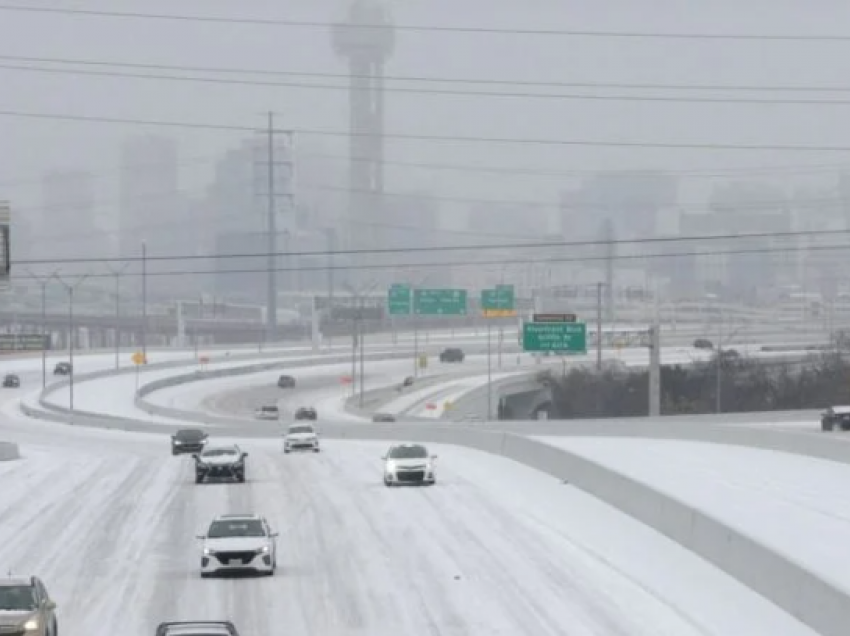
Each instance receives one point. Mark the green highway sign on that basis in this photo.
(398, 300)
(499, 302)
(500, 298)
(569, 337)
(439, 302)
(24, 342)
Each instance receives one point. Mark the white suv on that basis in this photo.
(409, 464)
(301, 437)
(239, 543)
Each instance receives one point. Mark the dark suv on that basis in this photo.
(197, 628)
(286, 382)
(62, 368)
(835, 417)
(26, 608)
(188, 440)
(11, 381)
(306, 413)
(451, 354)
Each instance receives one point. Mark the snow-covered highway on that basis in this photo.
(495, 548)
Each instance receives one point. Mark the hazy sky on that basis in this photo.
(32, 146)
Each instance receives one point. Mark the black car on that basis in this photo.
(703, 343)
(383, 417)
(408, 381)
(452, 354)
(835, 417)
(188, 440)
(62, 368)
(306, 413)
(220, 462)
(197, 628)
(286, 382)
(11, 381)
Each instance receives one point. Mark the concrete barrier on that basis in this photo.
(9, 451)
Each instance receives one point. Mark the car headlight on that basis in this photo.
(391, 466)
(208, 552)
(265, 549)
(31, 625)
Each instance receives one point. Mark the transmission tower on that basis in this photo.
(366, 50)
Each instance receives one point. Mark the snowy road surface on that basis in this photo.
(494, 548)
(797, 505)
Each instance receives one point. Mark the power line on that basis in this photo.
(437, 91)
(426, 79)
(469, 263)
(270, 22)
(445, 248)
(526, 141)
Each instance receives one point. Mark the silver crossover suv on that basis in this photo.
(26, 608)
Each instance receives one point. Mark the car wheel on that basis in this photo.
(315, 450)
(199, 479)
(206, 575)
(286, 451)
(240, 478)
(54, 628)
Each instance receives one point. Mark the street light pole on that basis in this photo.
(43, 283)
(362, 350)
(117, 274)
(71, 288)
(413, 289)
(358, 337)
(144, 300)
(489, 375)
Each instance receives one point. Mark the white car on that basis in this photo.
(238, 543)
(267, 413)
(301, 437)
(409, 464)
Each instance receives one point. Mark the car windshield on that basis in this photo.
(218, 452)
(190, 434)
(300, 429)
(409, 452)
(17, 597)
(236, 528)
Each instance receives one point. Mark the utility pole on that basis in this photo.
(43, 283)
(71, 288)
(599, 326)
(268, 171)
(117, 274)
(145, 300)
(271, 230)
